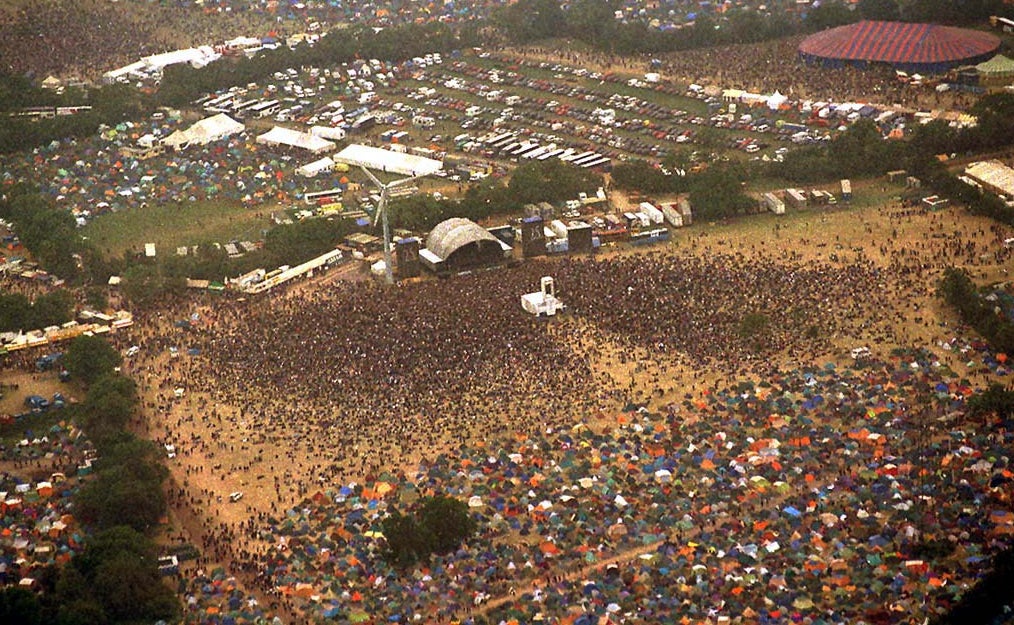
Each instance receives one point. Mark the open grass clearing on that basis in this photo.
(174, 225)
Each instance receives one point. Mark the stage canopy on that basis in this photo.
(925, 48)
(388, 160)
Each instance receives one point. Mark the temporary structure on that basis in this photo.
(205, 131)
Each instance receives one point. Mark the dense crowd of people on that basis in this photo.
(316, 397)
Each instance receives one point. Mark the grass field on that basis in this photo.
(174, 225)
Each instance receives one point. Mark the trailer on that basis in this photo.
(649, 209)
(492, 140)
(601, 160)
(796, 198)
(650, 236)
(503, 141)
(580, 158)
(574, 157)
(773, 203)
(567, 153)
(558, 228)
(672, 215)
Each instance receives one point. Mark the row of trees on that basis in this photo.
(715, 193)
(115, 580)
(18, 313)
(958, 290)
(552, 181)
(593, 22)
(50, 233)
(110, 104)
(182, 84)
(859, 151)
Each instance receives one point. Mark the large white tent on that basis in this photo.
(319, 166)
(286, 137)
(388, 160)
(205, 131)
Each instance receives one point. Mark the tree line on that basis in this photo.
(552, 181)
(957, 289)
(593, 22)
(115, 579)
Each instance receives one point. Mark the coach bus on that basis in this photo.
(320, 198)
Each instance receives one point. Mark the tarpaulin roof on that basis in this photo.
(999, 65)
(452, 234)
(926, 47)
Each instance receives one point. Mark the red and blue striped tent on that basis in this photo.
(924, 48)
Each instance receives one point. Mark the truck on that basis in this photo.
(672, 215)
(559, 229)
(653, 214)
(773, 203)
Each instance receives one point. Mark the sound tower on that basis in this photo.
(407, 252)
(533, 237)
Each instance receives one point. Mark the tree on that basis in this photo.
(447, 522)
(829, 15)
(109, 406)
(116, 497)
(90, 357)
(96, 297)
(52, 309)
(995, 400)
(860, 150)
(438, 525)
(405, 543)
(15, 312)
(550, 181)
(142, 284)
(19, 605)
(716, 193)
(592, 21)
(121, 567)
(130, 590)
(532, 20)
(883, 10)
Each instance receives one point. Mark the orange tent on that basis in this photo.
(549, 548)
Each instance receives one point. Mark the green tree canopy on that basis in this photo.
(90, 357)
(438, 525)
(19, 605)
(108, 407)
(116, 497)
(551, 181)
(883, 10)
(120, 566)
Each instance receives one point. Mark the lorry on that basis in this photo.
(846, 189)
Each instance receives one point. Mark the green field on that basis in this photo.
(174, 225)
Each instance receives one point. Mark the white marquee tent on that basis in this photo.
(286, 137)
(205, 131)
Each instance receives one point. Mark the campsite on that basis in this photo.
(268, 295)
